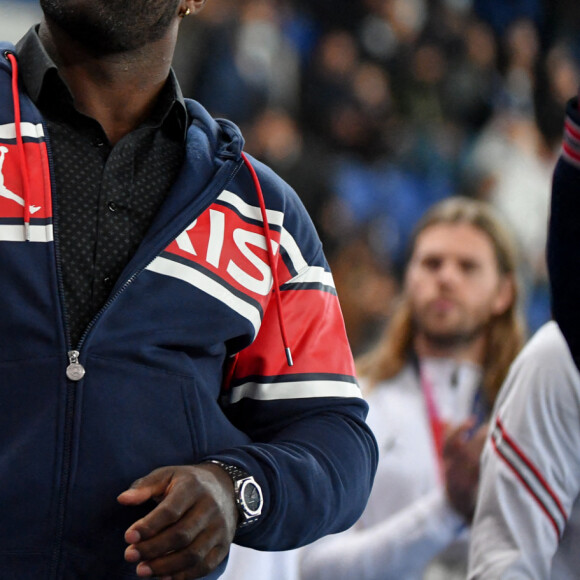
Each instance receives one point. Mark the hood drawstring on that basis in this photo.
(20, 145)
(271, 259)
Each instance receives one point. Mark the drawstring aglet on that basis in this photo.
(271, 259)
(20, 144)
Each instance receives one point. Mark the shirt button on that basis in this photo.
(108, 281)
(98, 142)
(112, 206)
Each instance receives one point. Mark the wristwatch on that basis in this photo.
(247, 493)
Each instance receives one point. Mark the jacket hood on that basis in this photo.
(224, 137)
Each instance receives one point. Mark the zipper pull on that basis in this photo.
(75, 371)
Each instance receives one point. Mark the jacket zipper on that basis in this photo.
(67, 449)
(70, 394)
(75, 371)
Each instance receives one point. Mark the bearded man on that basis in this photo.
(431, 383)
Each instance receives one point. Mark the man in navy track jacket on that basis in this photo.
(174, 366)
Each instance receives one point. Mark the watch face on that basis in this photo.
(251, 497)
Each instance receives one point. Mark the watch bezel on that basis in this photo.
(241, 485)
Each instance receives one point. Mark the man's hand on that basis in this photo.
(189, 532)
(461, 455)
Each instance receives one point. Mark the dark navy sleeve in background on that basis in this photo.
(563, 252)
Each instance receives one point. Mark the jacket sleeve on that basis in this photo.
(399, 547)
(563, 252)
(530, 473)
(311, 450)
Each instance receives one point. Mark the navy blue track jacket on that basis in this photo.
(564, 234)
(184, 363)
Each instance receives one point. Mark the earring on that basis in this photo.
(184, 13)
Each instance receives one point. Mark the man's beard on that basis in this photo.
(112, 26)
(452, 339)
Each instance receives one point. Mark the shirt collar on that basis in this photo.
(39, 75)
(35, 63)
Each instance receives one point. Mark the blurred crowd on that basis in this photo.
(375, 109)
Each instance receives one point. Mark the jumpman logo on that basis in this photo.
(5, 192)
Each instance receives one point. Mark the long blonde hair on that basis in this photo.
(505, 332)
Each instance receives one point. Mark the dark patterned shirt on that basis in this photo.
(105, 196)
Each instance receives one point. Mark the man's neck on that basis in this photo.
(119, 91)
(473, 351)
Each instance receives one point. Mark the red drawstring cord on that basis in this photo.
(24, 170)
(271, 259)
(20, 145)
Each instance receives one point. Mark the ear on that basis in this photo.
(195, 5)
(504, 297)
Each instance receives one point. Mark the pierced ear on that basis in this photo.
(188, 7)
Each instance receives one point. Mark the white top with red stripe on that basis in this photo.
(527, 523)
(408, 531)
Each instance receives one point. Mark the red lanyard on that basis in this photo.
(435, 422)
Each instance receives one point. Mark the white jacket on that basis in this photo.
(527, 522)
(408, 530)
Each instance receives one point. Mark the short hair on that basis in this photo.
(505, 332)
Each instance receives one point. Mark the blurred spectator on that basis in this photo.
(521, 52)
(511, 167)
(430, 383)
(366, 286)
(389, 26)
(296, 156)
(248, 61)
(472, 83)
(333, 13)
(501, 14)
(557, 79)
(327, 80)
